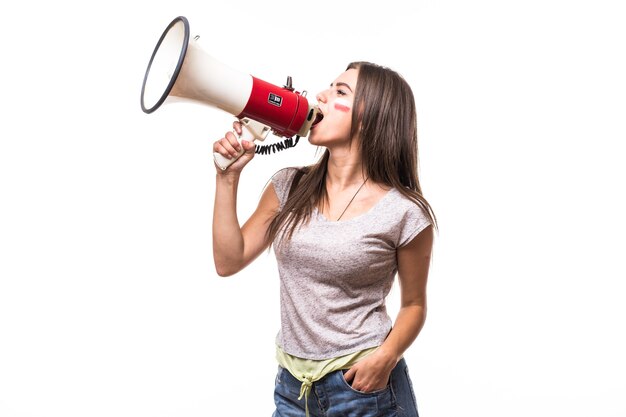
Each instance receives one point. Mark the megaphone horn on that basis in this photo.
(180, 69)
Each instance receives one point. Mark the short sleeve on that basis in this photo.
(282, 182)
(414, 221)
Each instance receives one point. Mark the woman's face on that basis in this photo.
(336, 104)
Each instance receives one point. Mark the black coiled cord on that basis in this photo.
(277, 147)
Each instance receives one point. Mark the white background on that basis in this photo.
(109, 302)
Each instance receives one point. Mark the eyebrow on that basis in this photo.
(343, 84)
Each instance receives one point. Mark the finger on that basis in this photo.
(234, 142)
(218, 148)
(225, 143)
(237, 127)
(349, 375)
(248, 146)
(228, 148)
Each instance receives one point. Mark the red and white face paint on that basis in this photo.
(343, 105)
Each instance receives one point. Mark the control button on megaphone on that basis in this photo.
(180, 69)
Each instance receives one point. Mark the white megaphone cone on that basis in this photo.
(180, 70)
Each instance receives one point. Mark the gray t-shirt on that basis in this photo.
(334, 276)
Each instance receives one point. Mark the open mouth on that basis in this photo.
(318, 118)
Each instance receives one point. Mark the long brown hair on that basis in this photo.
(386, 124)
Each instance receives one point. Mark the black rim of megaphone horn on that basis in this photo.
(181, 58)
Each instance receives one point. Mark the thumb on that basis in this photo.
(248, 146)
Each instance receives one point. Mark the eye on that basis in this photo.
(340, 92)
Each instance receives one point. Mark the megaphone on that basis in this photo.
(180, 69)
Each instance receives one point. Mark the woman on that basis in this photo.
(341, 230)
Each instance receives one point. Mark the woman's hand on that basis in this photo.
(372, 372)
(229, 147)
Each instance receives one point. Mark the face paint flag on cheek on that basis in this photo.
(342, 105)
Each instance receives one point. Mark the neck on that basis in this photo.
(345, 169)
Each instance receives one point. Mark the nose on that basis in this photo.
(321, 97)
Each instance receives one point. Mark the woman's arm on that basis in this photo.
(234, 247)
(372, 373)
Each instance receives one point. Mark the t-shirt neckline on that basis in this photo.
(359, 216)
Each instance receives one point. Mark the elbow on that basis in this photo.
(224, 272)
(226, 264)
(226, 269)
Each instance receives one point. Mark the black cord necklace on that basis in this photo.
(350, 202)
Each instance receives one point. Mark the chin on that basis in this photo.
(313, 138)
(322, 138)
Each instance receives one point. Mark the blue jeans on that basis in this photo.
(332, 396)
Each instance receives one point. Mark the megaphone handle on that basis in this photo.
(251, 130)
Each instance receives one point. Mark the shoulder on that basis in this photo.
(281, 180)
(410, 217)
(284, 174)
(403, 201)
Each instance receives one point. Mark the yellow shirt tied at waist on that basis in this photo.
(308, 371)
